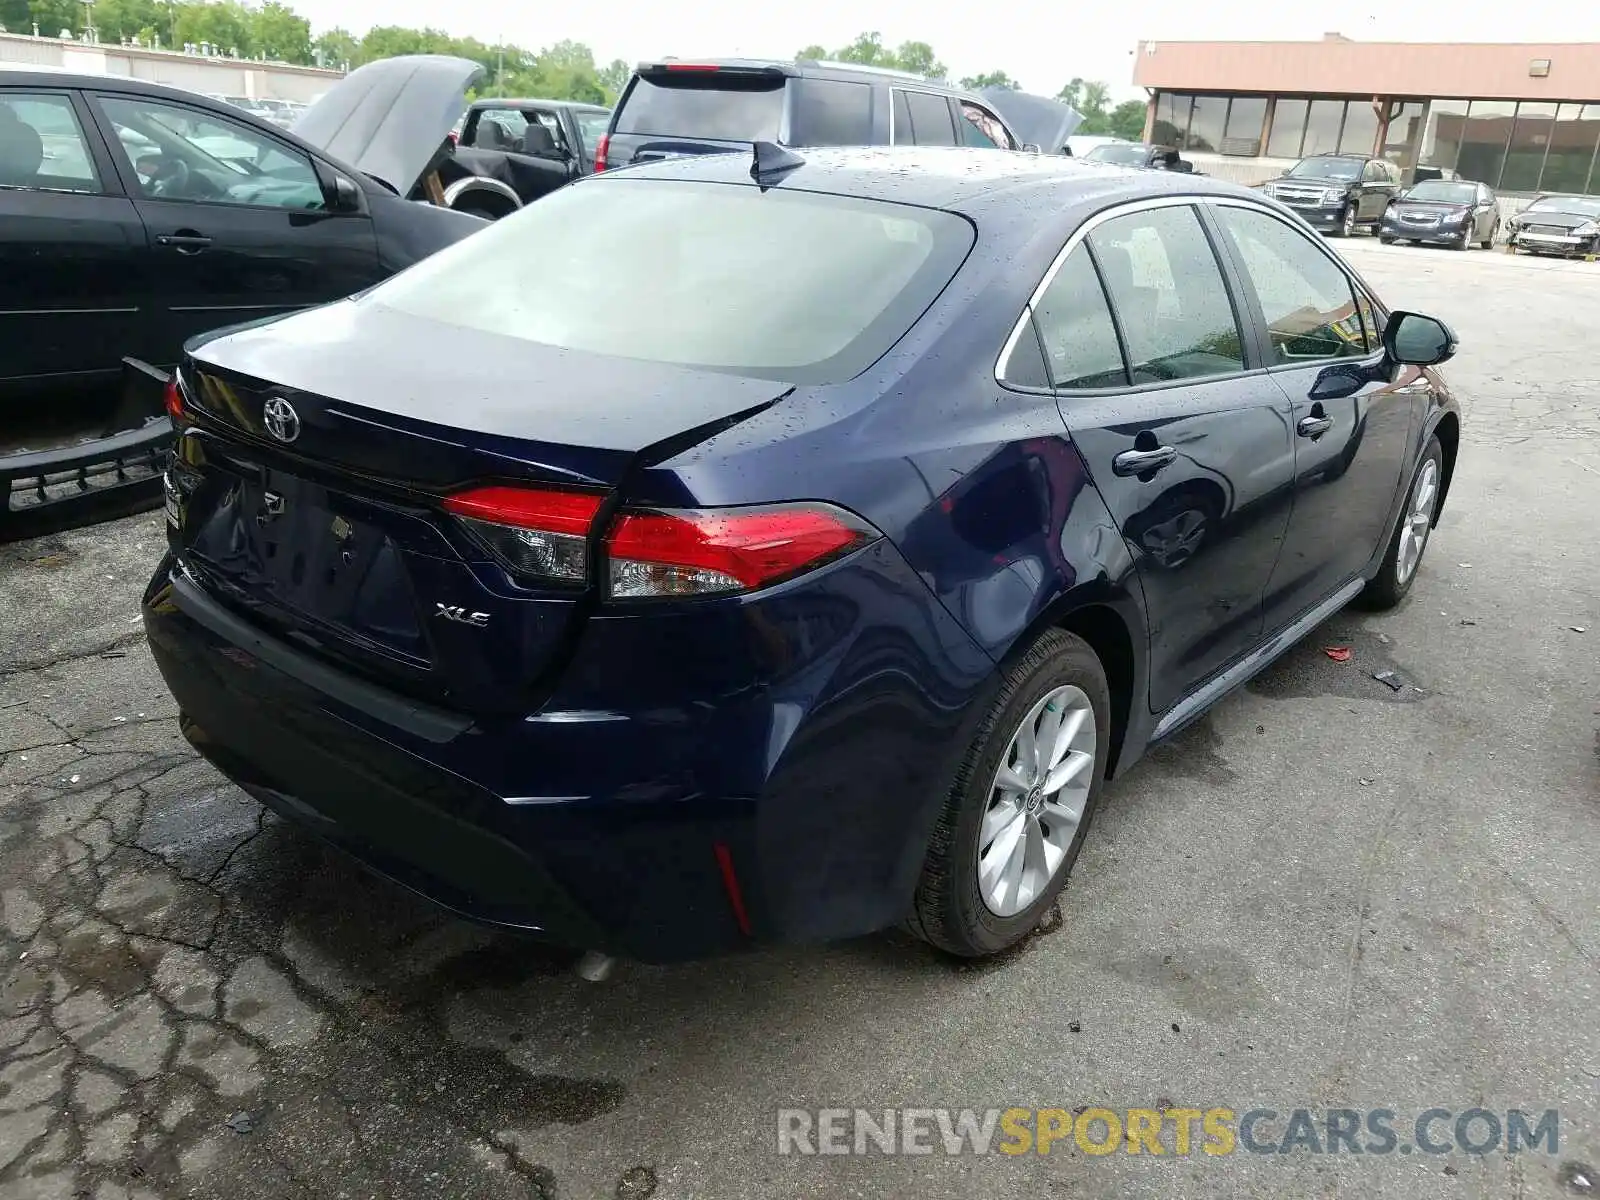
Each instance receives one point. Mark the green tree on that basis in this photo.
(281, 34)
(337, 47)
(1126, 120)
(990, 79)
(614, 77)
(918, 57)
(225, 24)
(868, 50)
(52, 16)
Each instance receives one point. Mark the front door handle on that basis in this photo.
(1314, 426)
(1143, 462)
(185, 241)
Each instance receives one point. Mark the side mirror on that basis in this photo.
(346, 196)
(1418, 341)
(1031, 148)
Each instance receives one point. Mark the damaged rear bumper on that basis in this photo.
(97, 478)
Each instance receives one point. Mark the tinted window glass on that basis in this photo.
(1444, 191)
(499, 129)
(1307, 300)
(902, 120)
(930, 119)
(181, 153)
(980, 127)
(708, 105)
(41, 145)
(1169, 296)
(591, 128)
(832, 112)
(1125, 154)
(587, 268)
(1080, 341)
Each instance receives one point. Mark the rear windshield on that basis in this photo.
(1116, 152)
(714, 105)
(588, 268)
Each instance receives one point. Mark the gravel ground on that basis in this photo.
(1326, 894)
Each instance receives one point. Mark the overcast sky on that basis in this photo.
(1040, 42)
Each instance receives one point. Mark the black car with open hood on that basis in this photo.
(135, 216)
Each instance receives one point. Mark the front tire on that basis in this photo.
(1020, 802)
(1347, 222)
(1411, 534)
(1488, 242)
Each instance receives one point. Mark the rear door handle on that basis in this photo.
(1141, 462)
(185, 241)
(1313, 427)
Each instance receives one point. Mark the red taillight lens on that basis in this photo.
(709, 551)
(683, 66)
(172, 398)
(542, 536)
(537, 534)
(601, 149)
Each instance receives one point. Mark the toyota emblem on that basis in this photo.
(280, 418)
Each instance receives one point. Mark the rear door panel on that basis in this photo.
(74, 263)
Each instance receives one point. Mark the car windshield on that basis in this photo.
(587, 269)
(1577, 206)
(1123, 153)
(591, 128)
(1442, 192)
(1327, 168)
(705, 105)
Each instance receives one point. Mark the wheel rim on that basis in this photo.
(1418, 521)
(1036, 801)
(1349, 220)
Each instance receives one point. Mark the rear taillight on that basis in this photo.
(172, 398)
(542, 536)
(537, 535)
(696, 552)
(601, 149)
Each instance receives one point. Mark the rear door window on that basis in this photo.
(832, 112)
(930, 120)
(980, 127)
(716, 105)
(41, 145)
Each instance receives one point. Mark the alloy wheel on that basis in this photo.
(1418, 521)
(1350, 221)
(1036, 801)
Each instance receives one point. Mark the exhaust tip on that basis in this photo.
(595, 967)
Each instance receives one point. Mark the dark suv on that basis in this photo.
(674, 108)
(1338, 192)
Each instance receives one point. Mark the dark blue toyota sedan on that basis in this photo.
(753, 548)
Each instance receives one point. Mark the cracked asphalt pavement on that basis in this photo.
(1327, 893)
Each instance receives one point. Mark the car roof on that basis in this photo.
(986, 185)
(509, 101)
(23, 75)
(823, 69)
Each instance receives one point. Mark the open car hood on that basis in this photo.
(389, 118)
(1036, 120)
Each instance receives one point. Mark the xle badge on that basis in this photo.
(454, 612)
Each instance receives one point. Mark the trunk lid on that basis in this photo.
(310, 490)
(674, 109)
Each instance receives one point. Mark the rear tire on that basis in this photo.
(1059, 677)
(1403, 557)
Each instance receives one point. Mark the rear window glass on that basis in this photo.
(833, 112)
(705, 105)
(588, 269)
